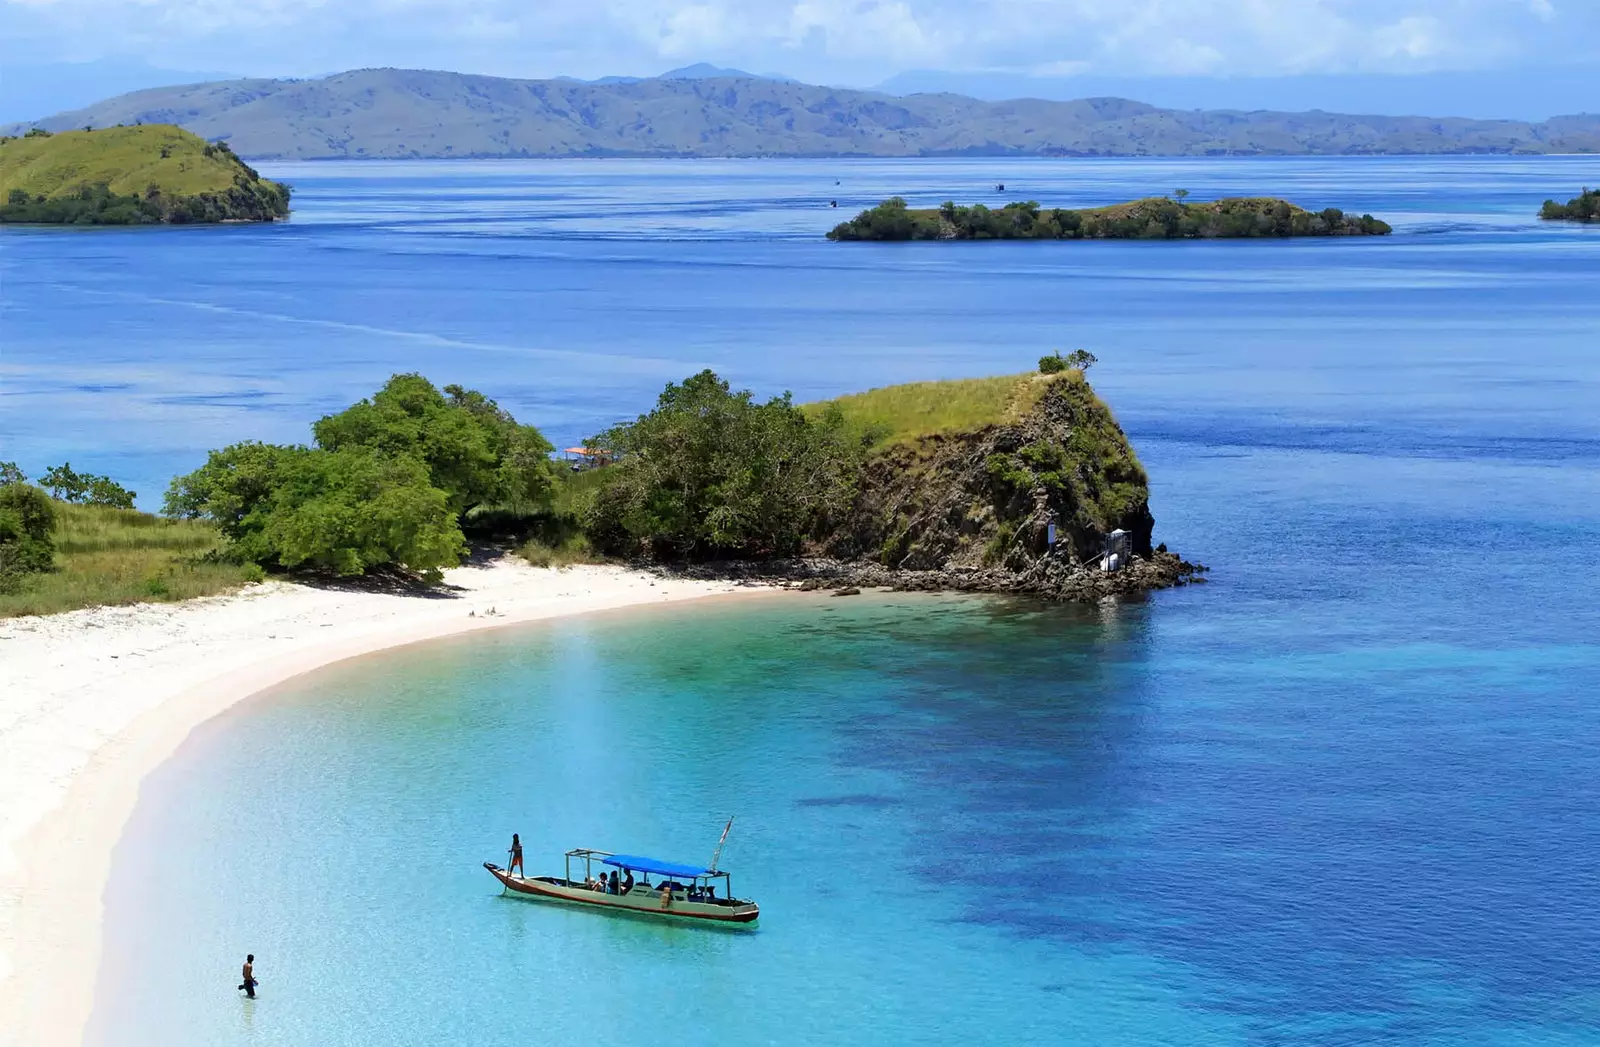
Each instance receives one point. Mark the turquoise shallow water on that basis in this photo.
(1341, 795)
(967, 821)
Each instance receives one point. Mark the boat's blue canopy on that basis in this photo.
(656, 865)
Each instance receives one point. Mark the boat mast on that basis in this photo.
(717, 854)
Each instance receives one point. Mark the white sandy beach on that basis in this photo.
(92, 701)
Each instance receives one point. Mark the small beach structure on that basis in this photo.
(583, 458)
(1119, 548)
(684, 891)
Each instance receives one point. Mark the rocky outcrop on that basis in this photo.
(972, 511)
(986, 498)
(1052, 576)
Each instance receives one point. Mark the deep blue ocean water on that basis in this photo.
(1342, 794)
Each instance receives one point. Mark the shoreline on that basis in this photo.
(92, 701)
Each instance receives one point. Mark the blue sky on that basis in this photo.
(832, 41)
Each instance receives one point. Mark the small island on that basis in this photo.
(1153, 218)
(1585, 207)
(142, 175)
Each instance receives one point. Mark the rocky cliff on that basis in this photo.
(970, 508)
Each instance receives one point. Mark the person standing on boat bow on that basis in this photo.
(515, 865)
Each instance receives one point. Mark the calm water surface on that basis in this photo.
(1341, 795)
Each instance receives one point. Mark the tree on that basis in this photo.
(1081, 359)
(105, 491)
(1181, 194)
(11, 473)
(69, 485)
(711, 472)
(385, 487)
(63, 482)
(346, 511)
(475, 452)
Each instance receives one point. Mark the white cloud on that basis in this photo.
(828, 40)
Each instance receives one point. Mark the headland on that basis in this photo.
(141, 175)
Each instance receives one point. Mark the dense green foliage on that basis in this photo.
(68, 485)
(475, 452)
(1585, 207)
(91, 205)
(386, 486)
(711, 472)
(27, 517)
(131, 176)
(1156, 218)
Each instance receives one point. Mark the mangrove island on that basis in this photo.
(141, 175)
(1153, 218)
(1585, 207)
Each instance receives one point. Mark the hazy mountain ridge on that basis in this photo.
(396, 113)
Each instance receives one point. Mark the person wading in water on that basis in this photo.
(249, 983)
(516, 857)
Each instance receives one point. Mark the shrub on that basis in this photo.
(711, 472)
(26, 547)
(1077, 360)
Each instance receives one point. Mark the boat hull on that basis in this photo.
(644, 901)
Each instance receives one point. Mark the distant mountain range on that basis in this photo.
(698, 71)
(1503, 94)
(400, 113)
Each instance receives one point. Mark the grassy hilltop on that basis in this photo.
(131, 176)
(1153, 218)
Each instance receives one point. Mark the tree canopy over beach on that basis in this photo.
(713, 472)
(384, 487)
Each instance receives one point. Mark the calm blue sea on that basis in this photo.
(1343, 794)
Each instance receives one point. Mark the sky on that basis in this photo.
(850, 42)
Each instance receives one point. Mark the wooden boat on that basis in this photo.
(686, 892)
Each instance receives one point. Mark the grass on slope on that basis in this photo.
(122, 556)
(127, 159)
(904, 413)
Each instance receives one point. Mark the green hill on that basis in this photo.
(131, 176)
(1153, 218)
(405, 113)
